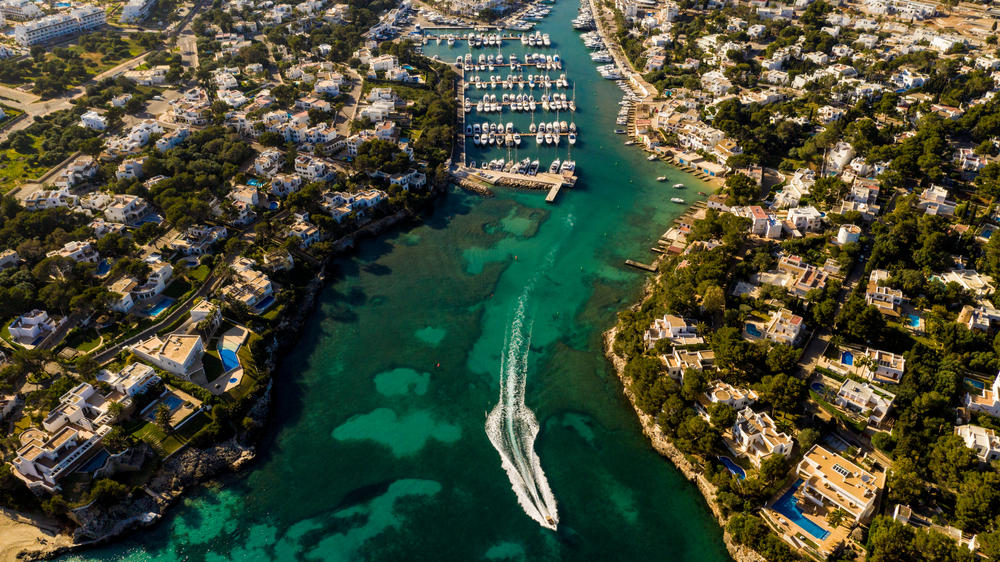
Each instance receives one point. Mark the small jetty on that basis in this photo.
(479, 181)
(640, 265)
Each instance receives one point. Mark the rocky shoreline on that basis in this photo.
(99, 525)
(662, 444)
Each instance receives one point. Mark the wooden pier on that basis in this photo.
(640, 265)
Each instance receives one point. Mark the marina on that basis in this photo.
(522, 125)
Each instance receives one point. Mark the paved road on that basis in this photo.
(188, 44)
(351, 107)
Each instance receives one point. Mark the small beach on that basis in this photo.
(18, 538)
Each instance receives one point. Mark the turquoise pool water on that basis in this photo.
(229, 359)
(158, 308)
(788, 505)
(913, 320)
(847, 358)
(753, 330)
(734, 468)
(975, 384)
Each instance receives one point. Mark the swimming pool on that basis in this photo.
(753, 330)
(788, 505)
(734, 468)
(173, 402)
(264, 304)
(818, 387)
(912, 320)
(96, 462)
(254, 183)
(159, 307)
(847, 358)
(229, 359)
(102, 268)
(975, 384)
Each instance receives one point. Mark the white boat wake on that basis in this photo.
(512, 426)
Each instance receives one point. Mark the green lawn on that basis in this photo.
(16, 167)
(167, 444)
(200, 273)
(83, 340)
(177, 289)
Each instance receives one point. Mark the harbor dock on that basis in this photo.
(640, 265)
(480, 181)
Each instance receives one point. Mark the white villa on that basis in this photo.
(178, 354)
(982, 440)
(71, 433)
(672, 328)
(988, 402)
(722, 392)
(757, 437)
(865, 400)
(830, 480)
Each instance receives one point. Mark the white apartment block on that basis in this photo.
(136, 10)
(20, 10)
(49, 28)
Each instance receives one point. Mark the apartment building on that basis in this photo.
(136, 10)
(49, 28)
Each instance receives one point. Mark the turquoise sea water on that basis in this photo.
(378, 449)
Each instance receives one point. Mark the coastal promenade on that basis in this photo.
(604, 27)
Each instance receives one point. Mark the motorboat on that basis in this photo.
(678, 186)
(572, 138)
(661, 178)
(677, 200)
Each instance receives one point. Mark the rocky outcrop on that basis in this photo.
(192, 466)
(100, 523)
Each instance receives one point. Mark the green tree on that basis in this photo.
(163, 417)
(742, 189)
(721, 415)
(106, 491)
(807, 438)
(905, 485)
